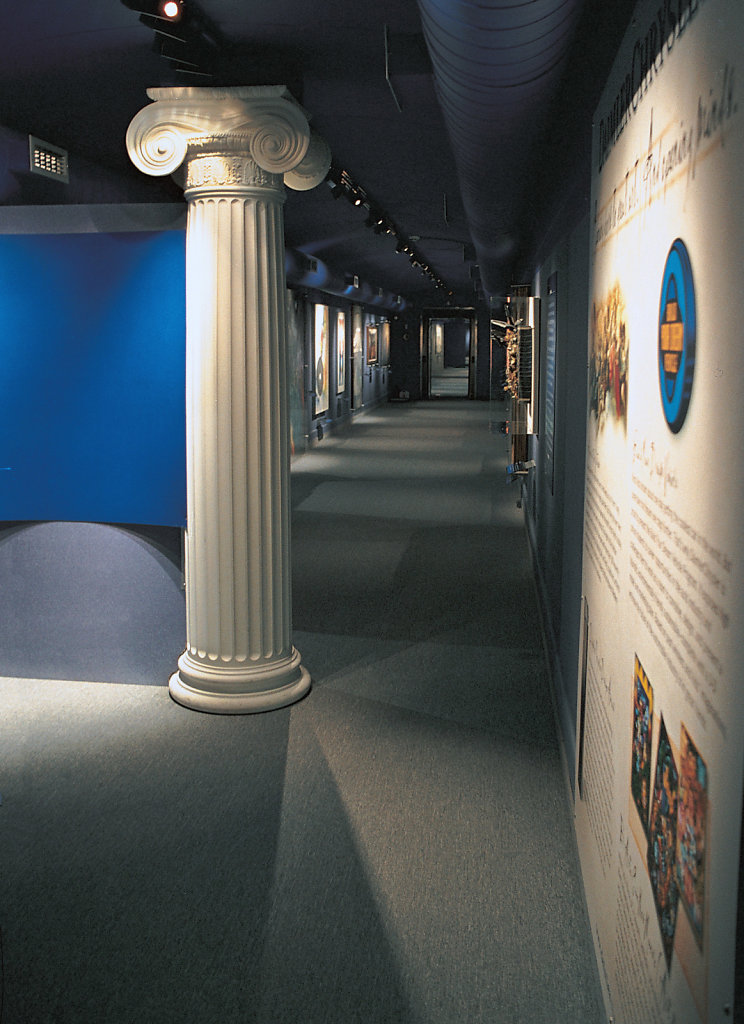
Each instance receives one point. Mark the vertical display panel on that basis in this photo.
(321, 351)
(357, 367)
(295, 313)
(384, 336)
(340, 351)
(658, 815)
(550, 374)
(372, 343)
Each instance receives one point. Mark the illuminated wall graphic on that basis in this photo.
(676, 335)
(357, 366)
(296, 363)
(608, 359)
(662, 745)
(340, 351)
(92, 409)
(321, 350)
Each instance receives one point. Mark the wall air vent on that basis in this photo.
(47, 160)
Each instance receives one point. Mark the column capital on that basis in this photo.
(266, 122)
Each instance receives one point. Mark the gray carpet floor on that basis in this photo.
(452, 382)
(397, 847)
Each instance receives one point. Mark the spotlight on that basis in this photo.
(171, 9)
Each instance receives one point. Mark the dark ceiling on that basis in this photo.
(460, 120)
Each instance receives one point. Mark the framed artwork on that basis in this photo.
(372, 343)
(692, 810)
(357, 357)
(321, 359)
(340, 351)
(384, 343)
(643, 716)
(662, 841)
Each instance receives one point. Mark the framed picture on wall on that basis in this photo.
(340, 351)
(321, 359)
(372, 343)
(357, 357)
(384, 353)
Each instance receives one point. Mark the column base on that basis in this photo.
(225, 691)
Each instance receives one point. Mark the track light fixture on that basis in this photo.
(376, 221)
(342, 184)
(172, 9)
(184, 35)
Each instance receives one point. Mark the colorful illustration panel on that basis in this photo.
(321, 359)
(640, 771)
(340, 351)
(692, 811)
(372, 343)
(662, 845)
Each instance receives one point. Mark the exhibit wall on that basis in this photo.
(376, 371)
(660, 707)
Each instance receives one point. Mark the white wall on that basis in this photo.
(658, 808)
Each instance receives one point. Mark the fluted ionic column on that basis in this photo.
(234, 149)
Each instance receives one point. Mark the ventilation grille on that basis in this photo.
(525, 380)
(47, 160)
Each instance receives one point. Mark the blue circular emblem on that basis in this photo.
(676, 336)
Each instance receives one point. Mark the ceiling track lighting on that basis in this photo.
(184, 35)
(342, 184)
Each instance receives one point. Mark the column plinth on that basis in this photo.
(232, 149)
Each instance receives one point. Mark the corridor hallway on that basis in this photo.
(395, 849)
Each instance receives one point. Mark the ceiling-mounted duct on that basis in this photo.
(496, 66)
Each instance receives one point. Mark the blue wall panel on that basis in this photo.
(92, 378)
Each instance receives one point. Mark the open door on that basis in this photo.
(450, 345)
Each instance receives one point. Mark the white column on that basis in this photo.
(236, 146)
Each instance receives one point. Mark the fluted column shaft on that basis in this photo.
(239, 655)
